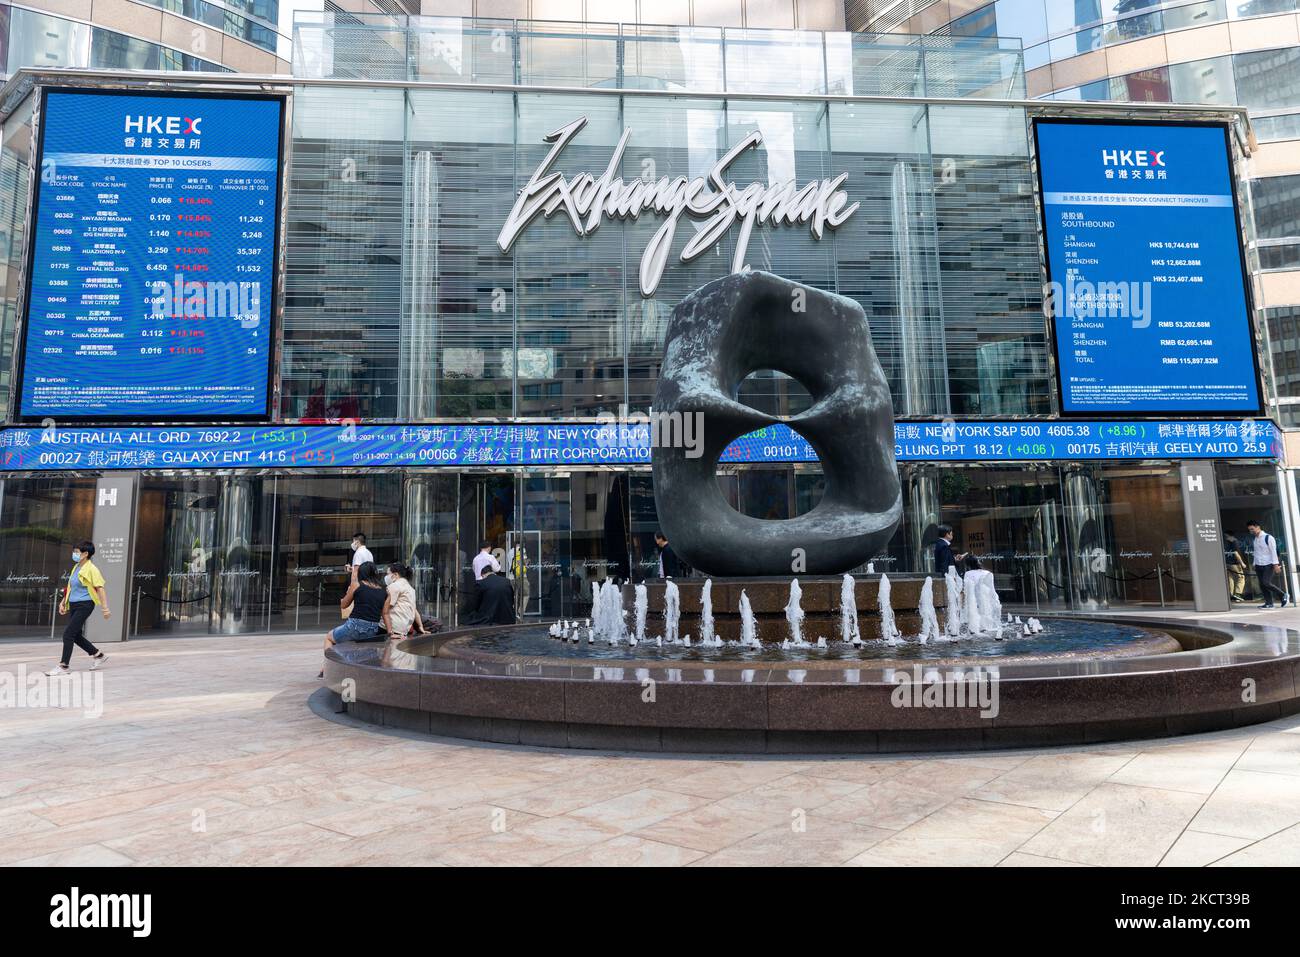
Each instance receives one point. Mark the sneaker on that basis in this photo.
(98, 660)
(1237, 598)
(1286, 600)
(58, 670)
(1269, 605)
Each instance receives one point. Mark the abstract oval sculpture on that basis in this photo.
(718, 335)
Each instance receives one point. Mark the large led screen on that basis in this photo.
(152, 271)
(1146, 277)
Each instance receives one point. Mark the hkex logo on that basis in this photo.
(1132, 157)
(164, 125)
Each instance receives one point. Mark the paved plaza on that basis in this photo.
(208, 753)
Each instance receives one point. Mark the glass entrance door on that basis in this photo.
(175, 554)
(505, 511)
(545, 517)
(1010, 521)
(487, 514)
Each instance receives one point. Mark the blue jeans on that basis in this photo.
(356, 629)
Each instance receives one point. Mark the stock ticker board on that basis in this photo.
(580, 444)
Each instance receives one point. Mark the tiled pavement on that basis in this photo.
(207, 753)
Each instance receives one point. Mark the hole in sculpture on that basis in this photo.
(772, 494)
(774, 393)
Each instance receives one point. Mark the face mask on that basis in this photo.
(76, 555)
(355, 545)
(390, 578)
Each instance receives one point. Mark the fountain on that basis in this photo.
(748, 627)
(850, 632)
(672, 612)
(983, 607)
(706, 615)
(929, 619)
(640, 607)
(888, 626)
(954, 621)
(607, 613)
(794, 616)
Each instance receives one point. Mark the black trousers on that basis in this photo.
(1267, 586)
(75, 632)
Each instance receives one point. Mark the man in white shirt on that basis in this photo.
(1267, 564)
(485, 559)
(360, 554)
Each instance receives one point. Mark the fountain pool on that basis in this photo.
(1064, 637)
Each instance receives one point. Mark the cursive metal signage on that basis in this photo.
(587, 199)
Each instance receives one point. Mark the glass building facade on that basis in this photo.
(43, 39)
(400, 307)
(1242, 52)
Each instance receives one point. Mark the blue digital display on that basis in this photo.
(153, 265)
(1146, 273)
(581, 444)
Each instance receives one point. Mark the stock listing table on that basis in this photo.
(153, 257)
(1147, 275)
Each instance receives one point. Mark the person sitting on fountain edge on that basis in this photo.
(495, 601)
(943, 554)
(669, 566)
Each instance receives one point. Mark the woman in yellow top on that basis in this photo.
(85, 590)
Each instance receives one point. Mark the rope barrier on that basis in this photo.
(1049, 584)
(1126, 578)
(174, 601)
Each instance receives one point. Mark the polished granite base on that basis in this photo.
(1232, 674)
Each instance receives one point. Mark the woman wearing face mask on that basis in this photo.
(400, 612)
(85, 590)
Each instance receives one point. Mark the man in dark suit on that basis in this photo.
(669, 566)
(494, 601)
(943, 553)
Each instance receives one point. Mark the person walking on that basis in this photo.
(944, 558)
(364, 601)
(1267, 565)
(360, 554)
(484, 560)
(1236, 568)
(669, 565)
(84, 590)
